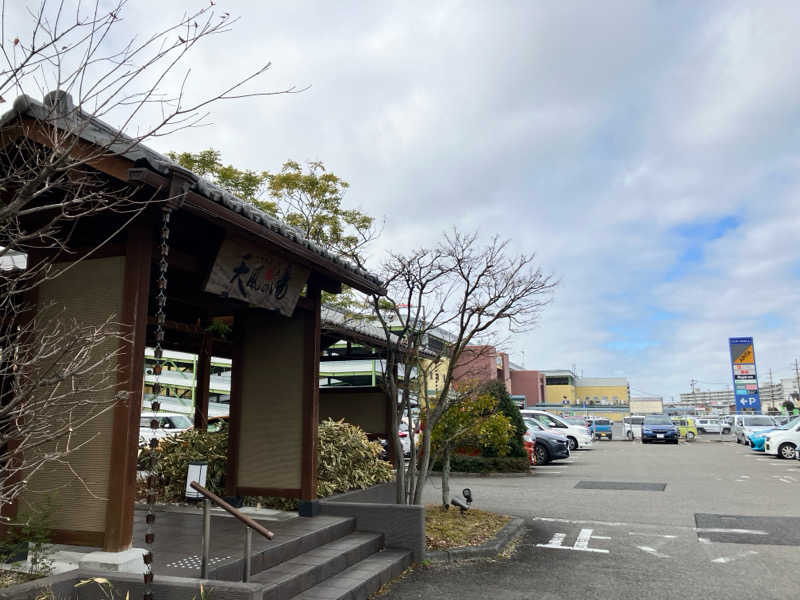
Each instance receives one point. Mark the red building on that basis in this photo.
(485, 363)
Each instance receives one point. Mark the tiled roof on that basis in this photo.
(58, 108)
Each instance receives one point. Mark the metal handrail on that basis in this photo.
(250, 526)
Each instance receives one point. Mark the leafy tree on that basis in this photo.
(473, 420)
(248, 185)
(309, 199)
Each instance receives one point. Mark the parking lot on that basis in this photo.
(707, 518)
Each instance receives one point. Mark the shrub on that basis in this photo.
(346, 460)
(463, 463)
(506, 406)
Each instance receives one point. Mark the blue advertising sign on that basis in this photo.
(745, 379)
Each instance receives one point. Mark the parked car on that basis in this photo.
(549, 445)
(686, 427)
(168, 424)
(745, 425)
(659, 428)
(632, 427)
(579, 436)
(712, 425)
(783, 442)
(405, 440)
(758, 438)
(601, 428)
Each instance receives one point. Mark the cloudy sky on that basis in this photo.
(647, 151)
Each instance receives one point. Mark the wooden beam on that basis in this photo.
(311, 353)
(130, 367)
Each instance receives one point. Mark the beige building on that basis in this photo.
(647, 405)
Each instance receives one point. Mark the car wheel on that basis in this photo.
(690, 436)
(540, 455)
(786, 451)
(609, 437)
(700, 430)
(629, 435)
(676, 442)
(738, 441)
(573, 444)
(726, 431)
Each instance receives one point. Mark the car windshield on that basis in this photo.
(532, 423)
(758, 421)
(180, 421)
(791, 424)
(657, 420)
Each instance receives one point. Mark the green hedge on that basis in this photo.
(347, 460)
(486, 464)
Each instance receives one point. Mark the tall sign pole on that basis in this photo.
(745, 380)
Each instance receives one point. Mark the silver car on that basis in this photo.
(745, 425)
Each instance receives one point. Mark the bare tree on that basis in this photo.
(462, 292)
(52, 363)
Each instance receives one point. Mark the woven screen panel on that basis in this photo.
(77, 486)
(365, 409)
(271, 427)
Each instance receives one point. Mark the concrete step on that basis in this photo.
(362, 579)
(293, 539)
(298, 574)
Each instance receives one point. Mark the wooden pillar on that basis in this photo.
(235, 404)
(203, 376)
(311, 396)
(125, 440)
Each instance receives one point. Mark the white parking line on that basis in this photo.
(723, 530)
(652, 551)
(728, 559)
(581, 544)
(659, 535)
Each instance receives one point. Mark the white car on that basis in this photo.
(632, 427)
(578, 436)
(711, 425)
(169, 424)
(746, 425)
(783, 442)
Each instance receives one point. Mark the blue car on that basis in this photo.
(659, 428)
(758, 438)
(601, 428)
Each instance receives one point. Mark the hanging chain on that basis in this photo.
(158, 353)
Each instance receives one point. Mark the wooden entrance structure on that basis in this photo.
(274, 392)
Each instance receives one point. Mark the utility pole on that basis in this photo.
(797, 375)
(771, 391)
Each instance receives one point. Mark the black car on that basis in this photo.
(549, 446)
(659, 428)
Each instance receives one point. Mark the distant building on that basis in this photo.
(647, 405)
(565, 388)
(486, 363)
(723, 401)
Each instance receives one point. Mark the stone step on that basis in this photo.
(293, 539)
(362, 579)
(298, 574)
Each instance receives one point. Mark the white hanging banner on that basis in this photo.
(245, 272)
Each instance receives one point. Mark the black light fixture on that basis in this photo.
(456, 502)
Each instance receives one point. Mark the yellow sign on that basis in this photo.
(745, 358)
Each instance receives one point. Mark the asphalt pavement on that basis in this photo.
(708, 519)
